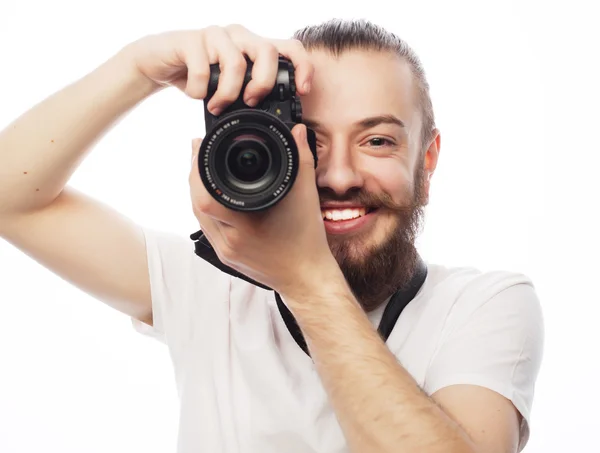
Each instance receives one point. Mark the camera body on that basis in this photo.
(248, 160)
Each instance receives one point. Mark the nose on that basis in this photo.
(337, 170)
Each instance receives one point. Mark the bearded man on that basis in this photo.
(314, 326)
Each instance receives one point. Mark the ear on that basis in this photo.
(430, 161)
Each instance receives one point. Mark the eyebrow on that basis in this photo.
(365, 123)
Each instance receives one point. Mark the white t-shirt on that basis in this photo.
(245, 386)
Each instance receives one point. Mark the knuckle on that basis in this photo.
(235, 28)
(238, 64)
(202, 205)
(196, 92)
(227, 94)
(261, 86)
(197, 213)
(234, 242)
(212, 30)
(269, 50)
(296, 45)
(193, 36)
(225, 254)
(200, 74)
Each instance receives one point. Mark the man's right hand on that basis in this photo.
(182, 59)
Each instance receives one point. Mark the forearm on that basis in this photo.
(41, 149)
(378, 404)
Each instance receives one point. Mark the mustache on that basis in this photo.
(367, 199)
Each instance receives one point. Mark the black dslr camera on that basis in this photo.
(248, 160)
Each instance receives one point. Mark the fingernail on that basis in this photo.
(251, 102)
(216, 110)
(306, 86)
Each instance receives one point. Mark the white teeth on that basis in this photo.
(343, 214)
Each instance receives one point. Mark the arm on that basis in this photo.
(78, 238)
(379, 405)
(41, 149)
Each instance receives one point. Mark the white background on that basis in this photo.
(515, 89)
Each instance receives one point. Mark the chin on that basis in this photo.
(358, 247)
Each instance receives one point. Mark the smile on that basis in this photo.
(346, 220)
(342, 214)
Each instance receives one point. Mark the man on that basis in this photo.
(458, 370)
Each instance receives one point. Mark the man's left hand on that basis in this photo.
(284, 247)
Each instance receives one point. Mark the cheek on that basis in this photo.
(389, 175)
(386, 224)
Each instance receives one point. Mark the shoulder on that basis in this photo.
(473, 279)
(485, 316)
(173, 262)
(491, 331)
(467, 290)
(183, 286)
(491, 335)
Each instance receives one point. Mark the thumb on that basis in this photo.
(306, 155)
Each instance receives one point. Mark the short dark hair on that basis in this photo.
(340, 35)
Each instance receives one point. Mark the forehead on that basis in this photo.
(359, 84)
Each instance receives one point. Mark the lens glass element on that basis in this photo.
(248, 159)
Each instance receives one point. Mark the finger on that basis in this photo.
(195, 149)
(221, 49)
(198, 70)
(304, 191)
(203, 203)
(265, 58)
(304, 69)
(213, 232)
(210, 228)
(264, 73)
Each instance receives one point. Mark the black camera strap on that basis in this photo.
(397, 303)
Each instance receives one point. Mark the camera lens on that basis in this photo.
(248, 159)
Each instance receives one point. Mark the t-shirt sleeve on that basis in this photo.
(180, 283)
(497, 344)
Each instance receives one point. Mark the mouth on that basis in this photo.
(347, 219)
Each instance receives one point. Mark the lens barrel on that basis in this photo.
(249, 161)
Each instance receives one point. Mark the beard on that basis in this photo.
(375, 272)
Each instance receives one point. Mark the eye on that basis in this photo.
(378, 142)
